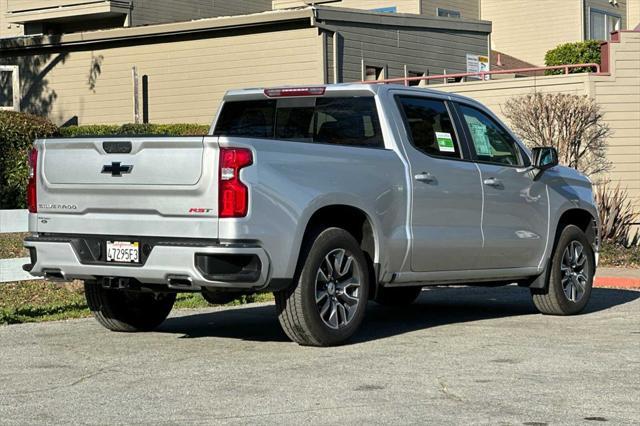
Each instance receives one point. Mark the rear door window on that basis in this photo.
(351, 121)
(347, 121)
(430, 126)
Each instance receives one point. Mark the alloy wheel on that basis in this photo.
(338, 288)
(575, 271)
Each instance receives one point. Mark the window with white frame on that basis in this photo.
(9, 88)
(602, 24)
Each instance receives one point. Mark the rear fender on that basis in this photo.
(328, 200)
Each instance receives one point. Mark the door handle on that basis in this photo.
(496, 183)
(425, 177)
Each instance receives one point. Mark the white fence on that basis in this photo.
(12, 221)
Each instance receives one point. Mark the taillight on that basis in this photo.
(295, 91)
(233, 194)
(32, 196)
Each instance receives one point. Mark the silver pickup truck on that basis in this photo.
(326, 196)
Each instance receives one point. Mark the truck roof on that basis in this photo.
(352, 88)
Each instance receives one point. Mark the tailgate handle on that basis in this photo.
(116, 147)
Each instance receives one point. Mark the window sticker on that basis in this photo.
(480, 139)
(445, 142)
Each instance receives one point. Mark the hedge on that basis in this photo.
(17, 133)
(582, 52)
(19, 130)
(134, 130)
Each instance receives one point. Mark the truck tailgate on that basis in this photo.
(169, 161)
(147, 186)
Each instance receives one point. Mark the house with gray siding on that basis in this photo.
(368, 45)
(179, 72)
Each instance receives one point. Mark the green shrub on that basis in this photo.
(135, 130)
(89, 130)
(17, 133)
(582, 52)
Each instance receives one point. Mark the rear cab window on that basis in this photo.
(349, 121)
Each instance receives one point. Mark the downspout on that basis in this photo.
(335, 35)
(128, 22)
(583, 20)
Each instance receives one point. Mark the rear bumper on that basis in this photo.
(181, 266)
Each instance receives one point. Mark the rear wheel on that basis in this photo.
(128, 311)
(326, 305)
(400, 296)
(571, 276)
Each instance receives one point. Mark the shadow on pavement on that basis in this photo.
(435, 307)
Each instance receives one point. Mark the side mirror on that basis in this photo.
(545, 158)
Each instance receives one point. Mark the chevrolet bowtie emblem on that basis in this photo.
(117, 169)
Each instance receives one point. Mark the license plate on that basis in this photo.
(123, 251)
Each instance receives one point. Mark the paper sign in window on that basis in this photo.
(480, 139)
(445, 142)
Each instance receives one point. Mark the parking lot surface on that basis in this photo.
(457, 356)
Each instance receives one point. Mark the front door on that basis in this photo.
(515, 219)
(447, 196)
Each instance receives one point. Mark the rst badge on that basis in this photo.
(198, 210)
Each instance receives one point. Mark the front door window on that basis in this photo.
(491, 142)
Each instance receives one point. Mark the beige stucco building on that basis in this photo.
(527, 30)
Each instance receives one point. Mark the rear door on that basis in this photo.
(447, 197)
(161, 186)
(515, 219)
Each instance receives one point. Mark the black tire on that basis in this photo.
(220, 297)
(298, 310)
(128, 311)
(399, 296)
(553, 300)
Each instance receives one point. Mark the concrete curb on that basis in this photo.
(617, 282)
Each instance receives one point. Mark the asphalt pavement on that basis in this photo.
(458, 356)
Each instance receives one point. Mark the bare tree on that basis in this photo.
(572, 124)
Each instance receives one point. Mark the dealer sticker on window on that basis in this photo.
(123, 251)
(445, 142)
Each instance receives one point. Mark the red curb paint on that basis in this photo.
(617, 282)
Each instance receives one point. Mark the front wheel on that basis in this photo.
(326, 305)
(571, 276)
(128, 311)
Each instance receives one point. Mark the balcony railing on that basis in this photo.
(482, 75)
